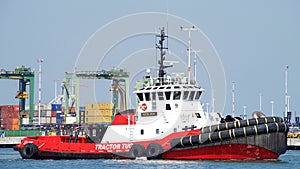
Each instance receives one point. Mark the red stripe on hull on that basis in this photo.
(222, 152)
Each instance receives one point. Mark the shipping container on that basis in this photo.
(53, 119)
(15, 121)
(53, 113)
(70, 120)
(82, 108)
(43, 120)
(36, 107)
(43, 113)
(56, 107)
(48, 107)
(48, 113)
(59, 115)
(25, 121)
(59, 121)
(48, 120)
(98, 119)
(10, 127)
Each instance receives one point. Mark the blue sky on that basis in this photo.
(254, 39)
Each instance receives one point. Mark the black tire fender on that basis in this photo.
(29, 151)
(137, 150)
(154, 150)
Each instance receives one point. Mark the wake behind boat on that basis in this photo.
(169, 123)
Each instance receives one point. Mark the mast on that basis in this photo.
(40, 61)
(189, 49)
(162, 49)
(233, 88)
(286, 90)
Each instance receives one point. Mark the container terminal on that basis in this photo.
(64, 115)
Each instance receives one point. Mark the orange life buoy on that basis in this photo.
(144, 106)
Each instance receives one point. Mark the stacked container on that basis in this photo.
(81, 114)
(49, 114)
(98, 112)
(56, 113)
(9, 117)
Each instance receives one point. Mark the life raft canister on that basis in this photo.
(144, 106)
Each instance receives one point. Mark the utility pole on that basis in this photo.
(40, 61)
(272, 107)
(286, 90)
(193, 28)
(244, 115)
(207, 107)
(260, 99)
(233, 88)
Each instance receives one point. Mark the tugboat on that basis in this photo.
(169, 123)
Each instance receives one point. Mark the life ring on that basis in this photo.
(137, 150)
(154, 150)
(144, 106)
(29, 151)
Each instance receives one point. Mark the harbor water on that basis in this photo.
(11, 159)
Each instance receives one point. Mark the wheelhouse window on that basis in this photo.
(153, 96)
(147, 96)
(198, 94)
(140, 96)
(160, 95)
(168, 95)
(192, 94)
(185, 95)
(176, 95)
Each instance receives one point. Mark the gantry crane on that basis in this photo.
(26, 77)
(119, 78)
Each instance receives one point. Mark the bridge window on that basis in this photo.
(176, 95)
(168, 95)
(185, 95)
(153, 96)
(140, 96)
(157, 131)
(142, 131)
(160, 95)
(147, 96)
(192, 94)
(198, 94)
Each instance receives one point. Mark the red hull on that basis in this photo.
(222, 152)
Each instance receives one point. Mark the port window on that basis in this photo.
(140, 96)
(160, 95)
(175, 130)
(168, 107)
(176, 95)
(142, 131)
(185, 95)
(192, 94)
(157, 131)
(168, 95)
(198, 115)
(147, 96)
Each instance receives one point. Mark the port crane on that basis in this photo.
(26, 78)
(120, 85)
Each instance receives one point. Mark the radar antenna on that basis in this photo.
(162, 49)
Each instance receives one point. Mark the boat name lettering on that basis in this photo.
(146, 114)
(117, 146)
